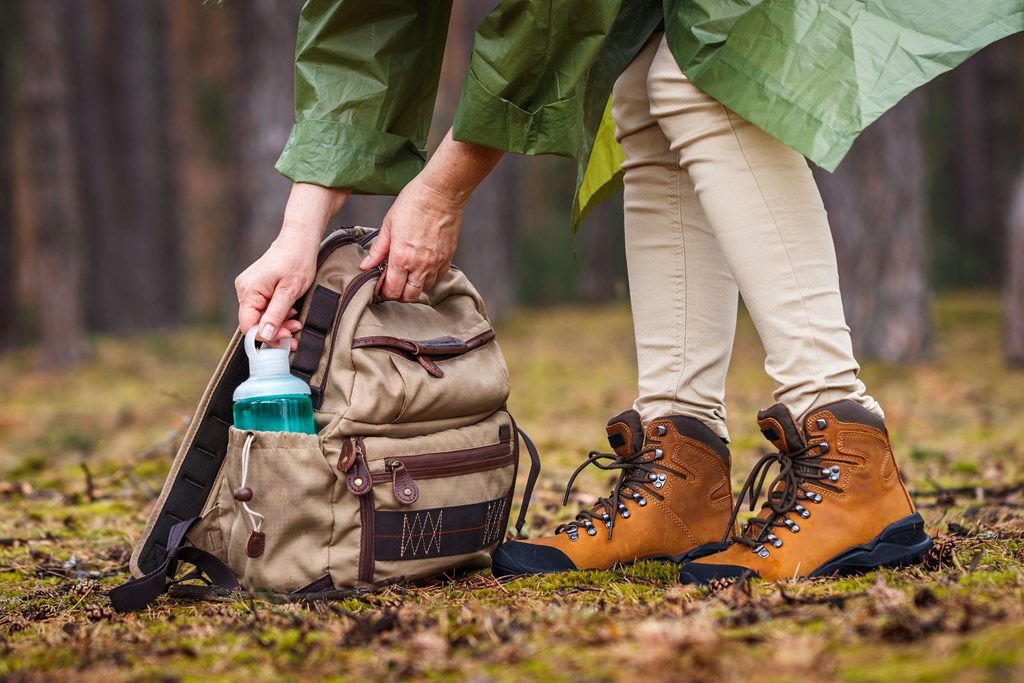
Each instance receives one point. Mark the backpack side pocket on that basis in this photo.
(281, 518)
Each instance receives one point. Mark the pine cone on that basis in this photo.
(942, 555)
(85, 587)
(97, 613)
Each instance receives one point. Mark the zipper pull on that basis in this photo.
(359, 481)
(402, 482)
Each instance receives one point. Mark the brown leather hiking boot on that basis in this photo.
(672, 501)
(837, 506)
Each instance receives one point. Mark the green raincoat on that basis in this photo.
(813, 73)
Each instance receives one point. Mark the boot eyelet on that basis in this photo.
(642, 502)
(607, 525)
(658, 454)
(817, 498)
(793, 526)
(591, 531)
(662, 430)
(760, 551)
(625, 514)
(662, 477)
(822, 448)
(822, 423)
(775, 540)
(574, 537)
(653, 477)
(658, 484)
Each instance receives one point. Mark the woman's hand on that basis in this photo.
(418, 238)
(267, 289)
(419, 235)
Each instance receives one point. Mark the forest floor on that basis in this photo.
(84, 452)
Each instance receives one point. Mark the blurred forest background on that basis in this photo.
(138, 139)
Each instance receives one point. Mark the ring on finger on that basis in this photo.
(415, 285)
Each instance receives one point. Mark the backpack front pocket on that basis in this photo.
(438, 501)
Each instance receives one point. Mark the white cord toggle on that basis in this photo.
(254, 517)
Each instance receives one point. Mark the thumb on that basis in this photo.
(278, 308)
(378, 250)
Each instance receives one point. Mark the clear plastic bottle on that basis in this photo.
(272, 399)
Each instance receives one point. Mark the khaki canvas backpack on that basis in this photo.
(411, 473)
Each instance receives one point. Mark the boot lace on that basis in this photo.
(638, 474)
(786, 494)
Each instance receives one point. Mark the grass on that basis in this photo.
(84, 452)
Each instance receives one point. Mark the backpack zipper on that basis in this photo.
(402, 472)
(354, 285)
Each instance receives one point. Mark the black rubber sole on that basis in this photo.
(902, 543)
(695, 554)
(503, 565)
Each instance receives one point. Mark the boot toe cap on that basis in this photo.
(518, 557)
(700, 573)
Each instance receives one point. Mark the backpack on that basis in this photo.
(412, 471)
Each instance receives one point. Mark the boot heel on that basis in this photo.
(902, 543)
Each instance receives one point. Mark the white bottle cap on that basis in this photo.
(269, 373)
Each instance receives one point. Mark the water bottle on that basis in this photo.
(272, 399)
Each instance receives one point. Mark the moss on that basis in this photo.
(621, 625)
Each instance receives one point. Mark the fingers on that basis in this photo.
(378, 250)
(279, 308)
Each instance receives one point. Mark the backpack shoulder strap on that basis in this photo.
(139, 592)
(197, 463)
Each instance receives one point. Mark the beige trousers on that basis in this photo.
(716, 208)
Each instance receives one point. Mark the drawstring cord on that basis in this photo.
(255, 518)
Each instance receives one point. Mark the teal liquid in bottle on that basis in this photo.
(272, 399)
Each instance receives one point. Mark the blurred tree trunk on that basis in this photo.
(601, 273)
(487, 244)
(877, 210)
(7, 302)
(1014, 287)
(263, 114)
(986, 132)
(199, 51)
(127, 166)
(51, 178)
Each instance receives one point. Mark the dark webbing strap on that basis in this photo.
(438, 532)
(323, 306)
(199, 467)
(531, 480)
(136, 594)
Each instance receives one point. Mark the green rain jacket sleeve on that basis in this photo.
(366, 77)
(524, 90)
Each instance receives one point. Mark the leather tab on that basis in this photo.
(358, 480)
(430, 366)
(348, 455)
(255, 544)
(625, 434)
(779, 427)
(406, 491)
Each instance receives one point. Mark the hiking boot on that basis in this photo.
(672, 501)
(837, 506)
